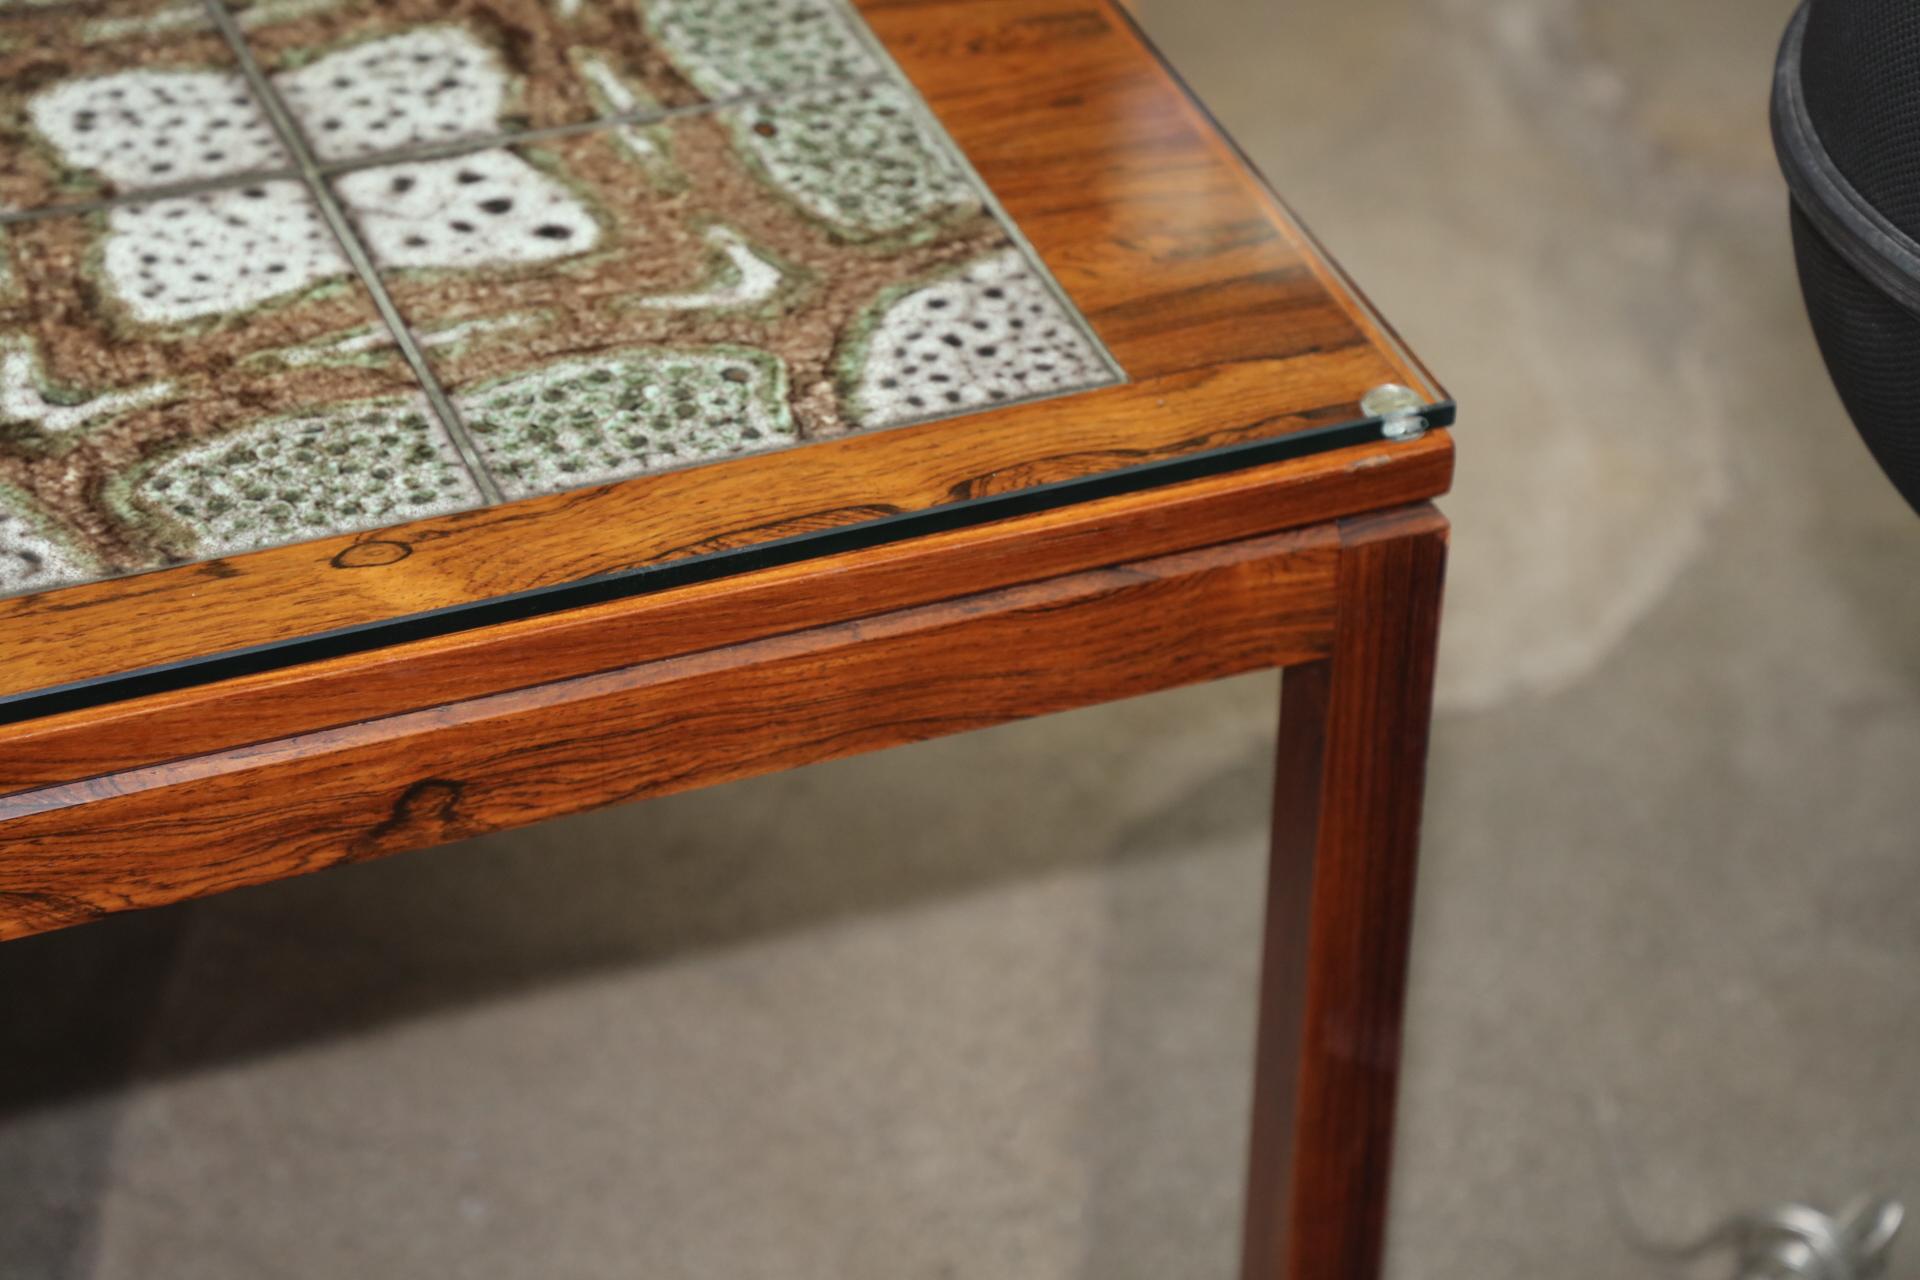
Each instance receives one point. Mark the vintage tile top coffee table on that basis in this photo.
(424, 417)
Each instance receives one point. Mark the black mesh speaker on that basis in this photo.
(1846, 124)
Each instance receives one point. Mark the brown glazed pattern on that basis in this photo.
(621, 239)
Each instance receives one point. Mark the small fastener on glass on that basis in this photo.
(1398, 409)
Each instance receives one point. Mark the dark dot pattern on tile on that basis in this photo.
(186, 257)
(733, 47)
(430, 85)
(989, 334)
(485, 207)
(154, 128)
(351, 466)
(859, 158)
(584, 422)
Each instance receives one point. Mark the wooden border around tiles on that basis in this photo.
(1230, 327)
(829, 590)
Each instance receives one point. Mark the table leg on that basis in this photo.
(1353, 744)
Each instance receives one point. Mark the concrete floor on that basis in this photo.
(982, 1008)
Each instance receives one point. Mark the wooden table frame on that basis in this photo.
(1228, 508)
(905, 642)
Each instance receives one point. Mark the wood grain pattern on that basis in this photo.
(1350, 776)
(1177, 202)
(1230, 327)
(814, 593)
(147, 836)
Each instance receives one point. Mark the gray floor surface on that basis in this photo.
(982, 1008)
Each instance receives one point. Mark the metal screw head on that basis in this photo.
(1398, 409)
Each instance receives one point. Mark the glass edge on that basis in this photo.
(123, 686)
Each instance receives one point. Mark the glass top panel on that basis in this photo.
(307, 267)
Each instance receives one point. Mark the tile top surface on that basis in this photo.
(305, 267)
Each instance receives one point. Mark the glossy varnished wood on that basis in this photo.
(151, 835)
(1350, 775)
(1230, 328)
(205, 718)
(1193, 260)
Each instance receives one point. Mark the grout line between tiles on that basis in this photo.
(893, 73)
(619, 120)
(173, 191)
(342, 228)
(314, 173)
(437, 151)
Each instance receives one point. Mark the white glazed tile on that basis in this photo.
(991, 333)
(185, 257)
(431, 85)
(152, 128)
(486, 208)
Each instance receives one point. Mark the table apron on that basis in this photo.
(154, 834)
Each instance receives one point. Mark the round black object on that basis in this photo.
(1846, 123)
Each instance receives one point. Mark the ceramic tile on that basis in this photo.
(104, 99)
(200, 372)
(365, 79)
(192, 376)
(636, 298)
(730, 48)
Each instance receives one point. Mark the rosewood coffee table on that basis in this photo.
(423, 418)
